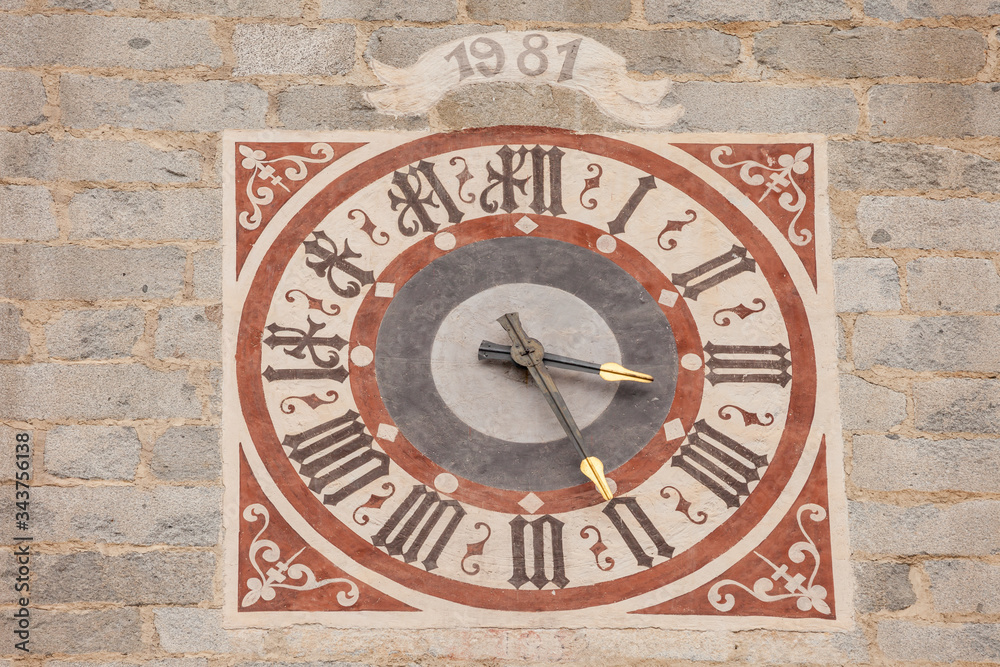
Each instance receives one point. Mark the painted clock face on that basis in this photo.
(445, 482)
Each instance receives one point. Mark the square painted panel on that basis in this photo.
(402, 450)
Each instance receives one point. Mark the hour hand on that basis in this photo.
(610, 371)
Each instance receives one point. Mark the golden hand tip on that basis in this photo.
(594, 469)
(613, 372)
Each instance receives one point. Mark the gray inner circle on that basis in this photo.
(403, 361)
(486, 395)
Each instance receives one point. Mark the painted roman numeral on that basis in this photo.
(617, 226)
(692, 283)
(547, 554)
(637, 549)
(506, 179)
(722, 464)
(337, 457)
(734, 363)
(406, 532)
(414, 199)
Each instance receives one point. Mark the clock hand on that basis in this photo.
(610, 371)
(529, 353)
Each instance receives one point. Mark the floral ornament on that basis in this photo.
(264, 585)
(780, 179)
(808, 595)
(262, 194)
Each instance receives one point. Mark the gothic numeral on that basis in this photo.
(646, 183)
(411, 200)
(337, 451)
(423, 509)
(329, 259)
(337, 374)
(506, 179)
(714, 271)
(641, 557)
(724, 466)
(730, 363)
(298, 341)
(540, 551)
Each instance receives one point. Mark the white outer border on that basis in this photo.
(822, 318)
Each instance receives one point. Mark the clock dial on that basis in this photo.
(423, 469)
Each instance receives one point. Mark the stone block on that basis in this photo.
(928, 343)
(571, 11)
(191, 630)
(201, 106)
(942, 224)
(758, 107)
(12, 4)
(953, 284)
(192, 214)
(24, 155)
(95, 391)
(95, 334)
(23, 100)
(92, 452)
(261, 48)
(882, 586)
(957, 405)
(483, 104)
(400, 47)
(155, 577)
(187, 453)
(671, 51)
(869, 407)
(78, 40)
(276, 8)
(970, 528)
(14, 340)
(673, 11)
(95, 5)
(935, 110)
(814, 648)
(863, 165)
(897, 10)
(872, 51)
(899, 464)
(866, 283)
(189, 332)
(34, 271)
(310, 107)
(26, 213)
(942, 643)
(74, 632)
(177, 515)
(208, 274)
(964, 587)
(429, 11)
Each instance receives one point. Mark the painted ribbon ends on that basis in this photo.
(556, 58)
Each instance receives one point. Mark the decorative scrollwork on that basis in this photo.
(781, 178)
(369, 227)
(264, 585)
(374, 502)
(313, 401)
(675, 226)
(749, 418)
(807, 594)
(589, 184)
(475, 549)
(740, 311)
(597, 548)
(314, 303)
(684, 505)
(463, 177)
(260, 194)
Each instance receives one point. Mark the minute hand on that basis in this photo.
(528, 352)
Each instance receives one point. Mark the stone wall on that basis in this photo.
(110, 211)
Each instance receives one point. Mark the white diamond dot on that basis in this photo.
(526, 225)
(668, 298)
(387, 432)
(607, 244)
(673, 429)
(362, 356)
(385, 290)
(445, 241)
(446, 483)
(531, 503)
(692, 361)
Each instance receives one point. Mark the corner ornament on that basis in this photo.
(807, 594)
(263, 586)
(555, 58)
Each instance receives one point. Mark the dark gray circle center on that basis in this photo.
(407, 333)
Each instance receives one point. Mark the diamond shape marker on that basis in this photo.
(526, 225)
(531, 503)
